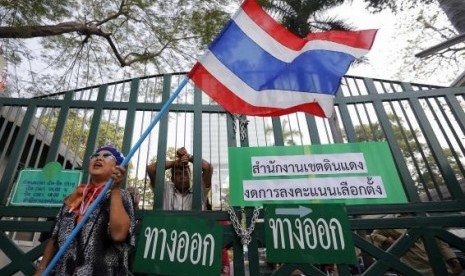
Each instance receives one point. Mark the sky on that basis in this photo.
(390, 57)
(383, 59)
(378, 65)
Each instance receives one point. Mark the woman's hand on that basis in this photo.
(455, 266)
(118, 176)
(39, 271)
(49, 252)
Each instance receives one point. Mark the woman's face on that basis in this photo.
(101, 164)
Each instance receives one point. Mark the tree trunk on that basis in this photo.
(49, 30)
(455, 11)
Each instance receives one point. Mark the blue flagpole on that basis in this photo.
(92, 207)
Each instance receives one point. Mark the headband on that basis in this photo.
(119, 157)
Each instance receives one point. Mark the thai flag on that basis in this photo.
(257, 67)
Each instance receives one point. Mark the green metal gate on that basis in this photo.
(423, 125)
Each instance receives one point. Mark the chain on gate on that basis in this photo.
(243, 122)
(244, 233)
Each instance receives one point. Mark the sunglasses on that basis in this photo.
(106, 156)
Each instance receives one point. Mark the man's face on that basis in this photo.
(181, 178)
(101, 164)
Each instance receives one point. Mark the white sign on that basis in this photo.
(337, 163)
(314, 188)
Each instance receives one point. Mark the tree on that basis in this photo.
(89, 38)
(143, 189)
(75, 136)
(454, 9)
(289, 134)
(422, 24)
(76, 131)
(420, 161)
(303, 17)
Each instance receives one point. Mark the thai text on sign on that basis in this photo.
(167, 245)
(351, 173)
(317, 234)
(305, 164)
(45, 187)
(315, 188)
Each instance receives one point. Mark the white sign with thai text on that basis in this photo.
(314, 188)
(337, 163)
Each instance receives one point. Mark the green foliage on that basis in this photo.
(289, 134)
(423, 167)
(205, 24)
(84, 42)
(75, 135)
(76, 132)
(302, 17)
(395, 5)
(32, 12)
(143, 189)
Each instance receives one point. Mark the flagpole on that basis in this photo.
(92, 207)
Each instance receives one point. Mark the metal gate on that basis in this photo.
(424, 126)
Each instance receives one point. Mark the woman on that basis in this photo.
(102, 245)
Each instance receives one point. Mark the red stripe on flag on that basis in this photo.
(230, 101)
(273, 28)
(357, 39)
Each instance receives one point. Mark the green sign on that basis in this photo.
(46, 187)
(353, 173)
(179, 245)
(314, 233)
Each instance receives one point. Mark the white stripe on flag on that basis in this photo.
(266, 98)
(276, 49)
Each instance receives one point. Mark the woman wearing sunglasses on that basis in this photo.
(103, 244)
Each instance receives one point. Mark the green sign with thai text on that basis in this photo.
(172, 244)
(352, 173)
(312, 233)
(47, 187)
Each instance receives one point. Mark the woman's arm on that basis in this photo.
(49, 252)
(119, 218)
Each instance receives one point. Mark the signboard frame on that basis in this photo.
(169, 244)
(45, 187)
(379, 168)
(310, 233)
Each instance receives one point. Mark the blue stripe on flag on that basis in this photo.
(315, 71)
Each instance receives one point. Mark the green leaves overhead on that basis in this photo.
(205, 24)
(90, 39)
(31, 12)
(303, 17)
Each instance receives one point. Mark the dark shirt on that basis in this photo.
(92, 251)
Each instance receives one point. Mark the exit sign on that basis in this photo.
(179, 245)
(308, 233)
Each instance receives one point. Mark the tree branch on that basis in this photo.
(116, 15)
(131, 58)
(50, 30)
(88, 30)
